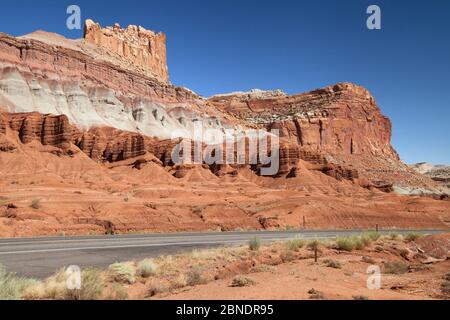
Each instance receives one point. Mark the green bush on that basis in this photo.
(254, 244)
(374, 236)
(412, 236)
(313, 245)
(345, 244)
(122, 272)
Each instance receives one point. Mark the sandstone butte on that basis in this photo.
(85, 147)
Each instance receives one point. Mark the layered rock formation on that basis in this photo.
(140, 47)
(97, 120)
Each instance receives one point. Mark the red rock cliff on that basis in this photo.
(143, 48)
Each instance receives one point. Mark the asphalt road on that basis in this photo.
(41, 257)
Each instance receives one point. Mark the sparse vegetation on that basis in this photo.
(395, 267)
(92, 285)
(447, 277)
(330, 263)
(116, 292)
(156, 287)
(147, 268)
(122, 272)
(254, 244)
(374, 236)
(36, 204)
(412, 236)
(368, 260)
(195, 276)
(313, 245)
(316, 295)
(12, 286)
(241, 281)
(287, 256)
(345, 244)
(295, 244)
(263, 268)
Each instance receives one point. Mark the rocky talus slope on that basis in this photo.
(88, 127)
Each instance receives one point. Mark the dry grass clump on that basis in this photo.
(367, 259)
(395, 236)
(316, 295)
(395, 267)
(156, 286)
(122, 272)
(241, 281)
(11, 286)
(116, 292)
(314, 244)
(254, 244)
(374, 236)
(345, 244)
(55, 287)
(295, 244)
(147, 268)
(287, 256)
(413, 236)
(195, 276)
(263, 268)
(330, 263)
(36, 204)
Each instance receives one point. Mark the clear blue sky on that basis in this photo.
(217, 46)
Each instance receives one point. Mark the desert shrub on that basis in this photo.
(368, 260)
(53, 288)
(156, 287)
(263, 268)
(313, 245)
(404, 253)
(395, 267)
(36, 204)
(330, 263)
(254, 244)
(358, 244)
(412, 236)
(295, 244)
(116, 292)
(395, 236)
(92, 286)
(122, 272)
(447, 277)
(286, 256)
(316, 295)
(241, 281)
(195, 276)
(374, 236)
(179, 282)
(11, 286)
(366, 241)
(345, 244)
(147, 268)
